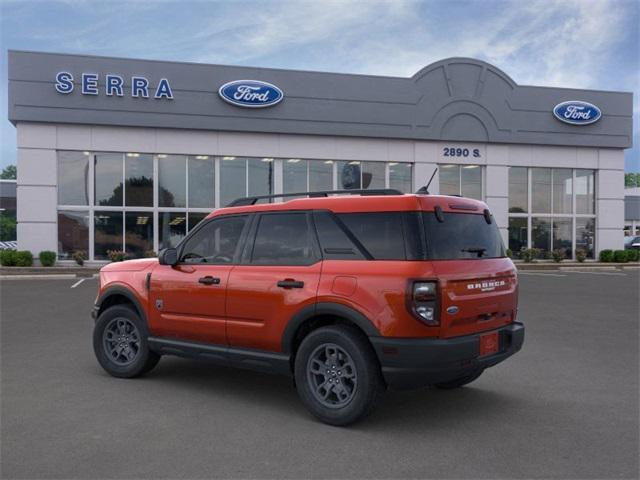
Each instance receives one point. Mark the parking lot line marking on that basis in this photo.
(78, 283)
(543, 274)
(600, 273)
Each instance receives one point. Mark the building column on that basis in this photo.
(610, 200)
(37, 188)
(496, 192)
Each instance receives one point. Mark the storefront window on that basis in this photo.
(138, 180)
(400, 176)
(73, 233)
(108, 233)
(320, 175)
(233, 179)
(449, 179)
(562, 190)
(294, 175)
(172, 227)
(355, 175)
(471, 181)
(465, 180)
(373, 175)
(201, 181)
(108, 179)
(585, 192)
(73, 178)
(172, 190)
(138, 233)
(562, 235)
(541, 235)
(541, 190)
(585, 235)
(518, 190)
(260, 176)
(195, 218)
(517, 235)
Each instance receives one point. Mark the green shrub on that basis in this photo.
(558, 255)
(581, 255)
(633, 255)
(79, 256)
(8, 258)
(528, 254)
(24, 258)
(606, 256)
(150, 254)
(509, 253)
(47, 258)
(116, 255)
(620, 256)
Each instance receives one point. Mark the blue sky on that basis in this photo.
(569, 43)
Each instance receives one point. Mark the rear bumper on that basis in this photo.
(413, 363)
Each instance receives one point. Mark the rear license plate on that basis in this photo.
(489, 344)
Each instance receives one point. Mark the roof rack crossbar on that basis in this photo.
(244, 201)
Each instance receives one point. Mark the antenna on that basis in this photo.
(425, 190)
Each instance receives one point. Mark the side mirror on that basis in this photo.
(168, 256)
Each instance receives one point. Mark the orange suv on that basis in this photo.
(348, 294)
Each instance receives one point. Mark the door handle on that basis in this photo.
(208, 280)
(290, 283)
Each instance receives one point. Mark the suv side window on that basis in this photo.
(284, 239)
(214, 243)
(334, 241)
(381, 233)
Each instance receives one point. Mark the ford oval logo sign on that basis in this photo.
(577, 112)
(250, 93)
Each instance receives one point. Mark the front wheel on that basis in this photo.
(337, 375)
(120, 343)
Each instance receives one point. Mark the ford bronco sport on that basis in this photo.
(348, 294)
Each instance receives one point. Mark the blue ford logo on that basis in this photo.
(250, 93)
(452, 310)
(576, 112)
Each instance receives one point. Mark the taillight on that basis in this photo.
(424, 296)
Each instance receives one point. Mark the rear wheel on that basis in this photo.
(460, 381)
(337, 375)
(120, 343)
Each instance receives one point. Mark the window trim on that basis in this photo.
(247, 254)
(236, 256)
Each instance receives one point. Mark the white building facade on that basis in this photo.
(101, 168)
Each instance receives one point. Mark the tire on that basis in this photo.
(337, 375)
(460, 381)
(132, 357)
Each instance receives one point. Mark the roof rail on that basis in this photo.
(240, 202)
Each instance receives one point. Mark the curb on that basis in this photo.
(49, 276)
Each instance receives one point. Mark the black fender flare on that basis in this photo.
(325, 308)
(125, 292)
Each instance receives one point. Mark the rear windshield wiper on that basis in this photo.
(479, 250)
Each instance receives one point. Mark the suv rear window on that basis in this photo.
(380, 233)
(461, 236)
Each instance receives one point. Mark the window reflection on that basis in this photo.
(233, 179)
(518, 190)
(294, 175)
(260, 176)
(108, 233)
(171, 177)
(73, 233)
(541, 234)
(400, 176)
(195, 218)
(172, 227)
(541, 190)
(471, 181)
(73, 178)
(585, 235)
(108, 179)
(139, 234)
(201, 181)
(585, 191)
(449, 176)
(562, 235)
(562, 190)
(138, 180)
(517, 235)
(320, 175)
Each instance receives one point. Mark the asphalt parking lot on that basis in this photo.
(566, 406)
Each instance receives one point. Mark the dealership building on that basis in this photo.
(124, 154)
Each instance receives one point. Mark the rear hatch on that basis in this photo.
(477, 282)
